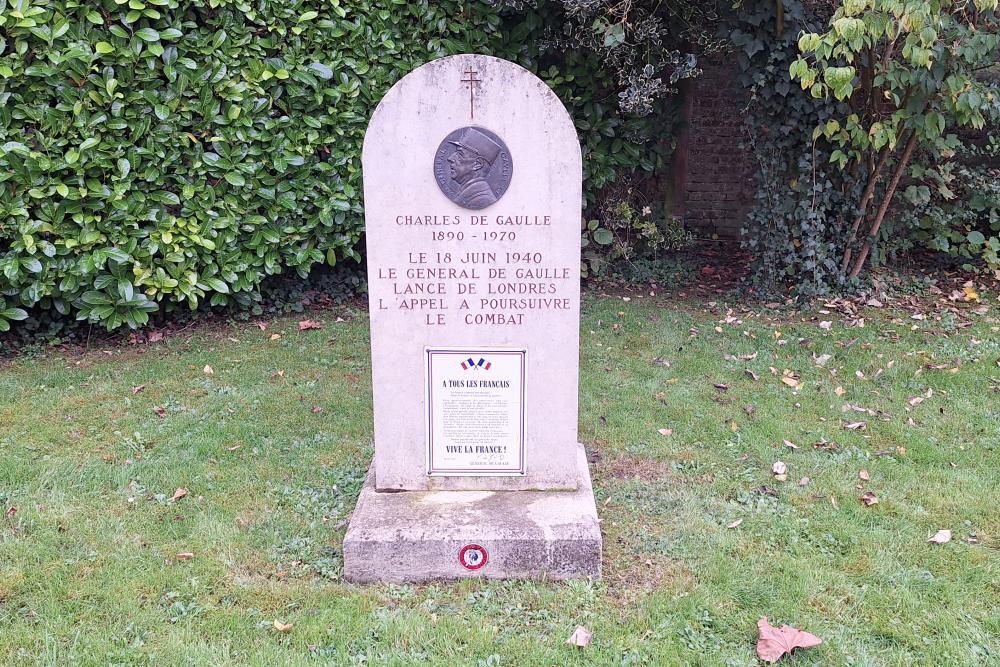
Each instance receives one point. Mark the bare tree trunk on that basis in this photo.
(866, 199)
(904, 160)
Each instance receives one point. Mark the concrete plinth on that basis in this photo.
(415, 536)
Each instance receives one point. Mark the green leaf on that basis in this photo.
(603, 237)
(976, 238)
(148, 35)
(321, 70)
(104, 47)
(235, 178)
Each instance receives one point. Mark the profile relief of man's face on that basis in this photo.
(469, 166)
(466, 164)
(474, 155)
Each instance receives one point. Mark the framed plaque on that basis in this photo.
(475, 399)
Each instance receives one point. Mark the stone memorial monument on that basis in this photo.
(472, 176)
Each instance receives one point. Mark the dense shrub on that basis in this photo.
(162, 152)
(954, 207)
(158, 153)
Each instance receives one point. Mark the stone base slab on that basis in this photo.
(416, 536)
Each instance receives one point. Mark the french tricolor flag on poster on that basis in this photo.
(475, 365)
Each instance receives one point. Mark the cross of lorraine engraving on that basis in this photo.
(472, 82)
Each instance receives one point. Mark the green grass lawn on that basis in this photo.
(272, 447)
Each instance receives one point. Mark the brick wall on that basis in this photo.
(716, 186)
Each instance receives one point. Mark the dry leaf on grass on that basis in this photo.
(208, 370)
(840, 391)
(282, 627)
(735, 524)
(154, 337)
(580, 638)
(185, 555)
(822, 359)
(160, 411)
(864, 475)
(665, 431)
(305, 325)
(179, 493)
(856, 426)
(804, 481)
(136, 389)
(773, 643)
(790, 444)
(316, 409)
(941, 537)
(826, 324)
(917, 400)
(869, 499)
(275, 336)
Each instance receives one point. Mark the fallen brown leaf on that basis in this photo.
(275, 336)
(665, 431)
(869, 499)
(136, 389)
(185, 555)
(208, 370)
(735, 524)
(160, 411)
(580, 638)
(283, 627)
(840, 391)
(941, 537)
(305, 325)
(154, 337)
(790, 444)
(773, 643)
(864, 475)
(179, 493)
(856, 426)
(804, 481)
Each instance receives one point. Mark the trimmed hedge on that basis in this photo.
(158, 153)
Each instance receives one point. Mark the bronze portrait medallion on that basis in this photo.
(473, 167)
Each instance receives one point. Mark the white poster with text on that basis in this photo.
(475, 411)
